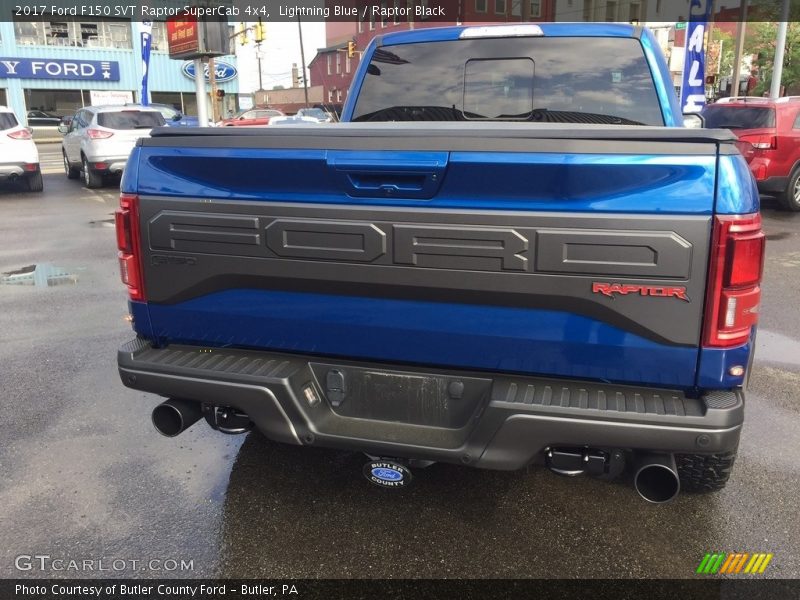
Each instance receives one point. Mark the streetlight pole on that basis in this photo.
(780, 49)
(737, 58)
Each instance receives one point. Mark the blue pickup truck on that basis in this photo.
(511, 252)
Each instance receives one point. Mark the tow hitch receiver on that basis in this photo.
(387, 473)
(227, 419)
(577, 461)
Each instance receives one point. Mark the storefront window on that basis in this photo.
(84, 34)
(60, 102)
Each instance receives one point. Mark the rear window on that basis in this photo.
(7, 120)
(736, 117)
(569, 80)
(130, 119)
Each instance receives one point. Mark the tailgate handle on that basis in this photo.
(387, 183)
(391, 177)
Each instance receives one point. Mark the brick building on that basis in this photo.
(332, 69)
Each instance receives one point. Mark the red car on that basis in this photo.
(256, 117)
(769, 136)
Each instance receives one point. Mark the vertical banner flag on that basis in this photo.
(693, 94)
(146, 36)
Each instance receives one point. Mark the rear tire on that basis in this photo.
(703, 473)
(790, 198)
(91, 178)
(72, 172)
(34, 182)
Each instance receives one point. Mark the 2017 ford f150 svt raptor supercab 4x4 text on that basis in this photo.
(510, 252)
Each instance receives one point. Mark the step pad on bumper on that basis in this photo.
(490, 420)
(595, 398)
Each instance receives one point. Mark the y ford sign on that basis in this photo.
(45, 68)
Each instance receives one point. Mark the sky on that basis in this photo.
(280, 50)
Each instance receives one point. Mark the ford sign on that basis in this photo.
(384, 473)
(223, 71)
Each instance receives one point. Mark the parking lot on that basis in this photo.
(85, 475)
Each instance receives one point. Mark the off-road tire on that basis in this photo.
(702, 473)
(790, 198)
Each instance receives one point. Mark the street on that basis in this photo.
(86, 476)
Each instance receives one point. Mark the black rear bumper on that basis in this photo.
(488, 420)
(773, 185)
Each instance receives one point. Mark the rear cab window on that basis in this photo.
(130, 119)
(8, 120)
(720, 116)
(511, 79)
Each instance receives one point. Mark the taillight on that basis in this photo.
(737, 263)
(98, 134)
(21, 134)
(126, 219)
(766, 143)
(761, 142)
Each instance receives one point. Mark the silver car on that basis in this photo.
(99, 139)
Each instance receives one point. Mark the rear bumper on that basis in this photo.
(487, 420)
(16, 170)
(772, 185)
(113, 164)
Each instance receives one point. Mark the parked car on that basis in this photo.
(315, 113)
(769, 135)
(254, 117)
(40, 118)
(174, 117)
(100, 138)
(19, 158)
(462, 270)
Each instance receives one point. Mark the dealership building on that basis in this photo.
(60, 66)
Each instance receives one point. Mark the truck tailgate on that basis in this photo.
(570, 251)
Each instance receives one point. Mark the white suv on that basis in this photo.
(19, 158)
(99, 139)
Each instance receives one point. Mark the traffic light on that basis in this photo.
(220, 93)
(259, 32)
(351, 49)
(243, 34)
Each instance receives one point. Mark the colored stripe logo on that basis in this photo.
(732, 563)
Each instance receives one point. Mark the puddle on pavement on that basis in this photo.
(779, 236)
(40, 275)
(102, 223)
(777, 348)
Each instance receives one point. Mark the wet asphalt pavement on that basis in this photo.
(85, 476)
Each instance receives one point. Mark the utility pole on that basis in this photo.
(303, 60)
(737, 58)
(258, 57)
(780, 49)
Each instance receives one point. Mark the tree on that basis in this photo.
(761, 41)
(278, 87)
(728, 51)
